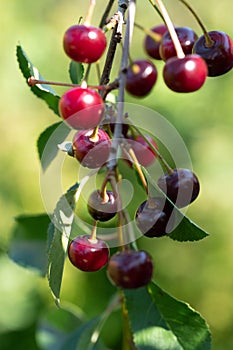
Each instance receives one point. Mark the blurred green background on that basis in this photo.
(199, 273)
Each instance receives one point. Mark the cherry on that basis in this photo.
(151, 46)
(219, 56)
(181, 186)
(102, 209)
(88, 254)
(130, 269)
(81, 108)
(84, 43)
(187, 38)
(90, 149)
(140, 77)
(153, 217)
(186, 74)
(144, 154)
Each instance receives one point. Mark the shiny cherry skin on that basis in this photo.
(81, 108)
(145, 155)
(181, 186)
(154, 217)
(84, 43)
(87, 254)
(186, 74)
(102, 209)
(140, 77)
(150, 45)
(91, 152)
(187, 37)
(130, 269)
(219, 56)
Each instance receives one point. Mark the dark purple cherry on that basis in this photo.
(154, 217)
(130, 269)
(181, 186)
(140, 77)
(152, 46)
(84, 43)
(87, 254)
(187, 38)
(102, 208)
(219, 56)
(186, 74)
(92, 151)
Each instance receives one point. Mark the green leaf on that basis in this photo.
(28, 244)
(56, 325)
(47, 143)
(76, 71)
(59, 232)
(186, 230)
(44, 92)
(160, 322)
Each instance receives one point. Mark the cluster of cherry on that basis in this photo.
(84, 109)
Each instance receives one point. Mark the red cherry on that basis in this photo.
(91, 151)
(141, 77)
(102, 209)
(219, 56)
(81, 108)
(186, 74)
(87, 254)
(84, 43)
(130, 269)
(145, 155)
(187, 38)
(151, 46)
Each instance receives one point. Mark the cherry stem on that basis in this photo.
(138, 168)
(89, 14)
(156, 8)
(112, 161)
(94, 137)
(155, 36)
(209, 41)
(171, 29)
(93, 237)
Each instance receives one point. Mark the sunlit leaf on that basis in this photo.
(43, 91)
(59, 232)
(159, 321)
(76, 71)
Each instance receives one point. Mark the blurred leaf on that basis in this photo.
(56, 325)
(159, 321)
(42, 91)
(28, 244)
(59, 232)
(76, 71)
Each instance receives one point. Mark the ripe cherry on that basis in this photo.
(219, 56)
(186, 74)
(87, 254)
(181, 186)
(102, 207)
(187, 38)
(143, 152)
(90, 149)
(140, 77)
(81, 108)
(84, 43)
(151, 46)
(154, 217)
(130, 269)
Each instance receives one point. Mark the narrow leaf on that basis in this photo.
(28, 244)
(44, 137)
(167, 323)
(59, 232)
(76, 72)
(44, 92)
